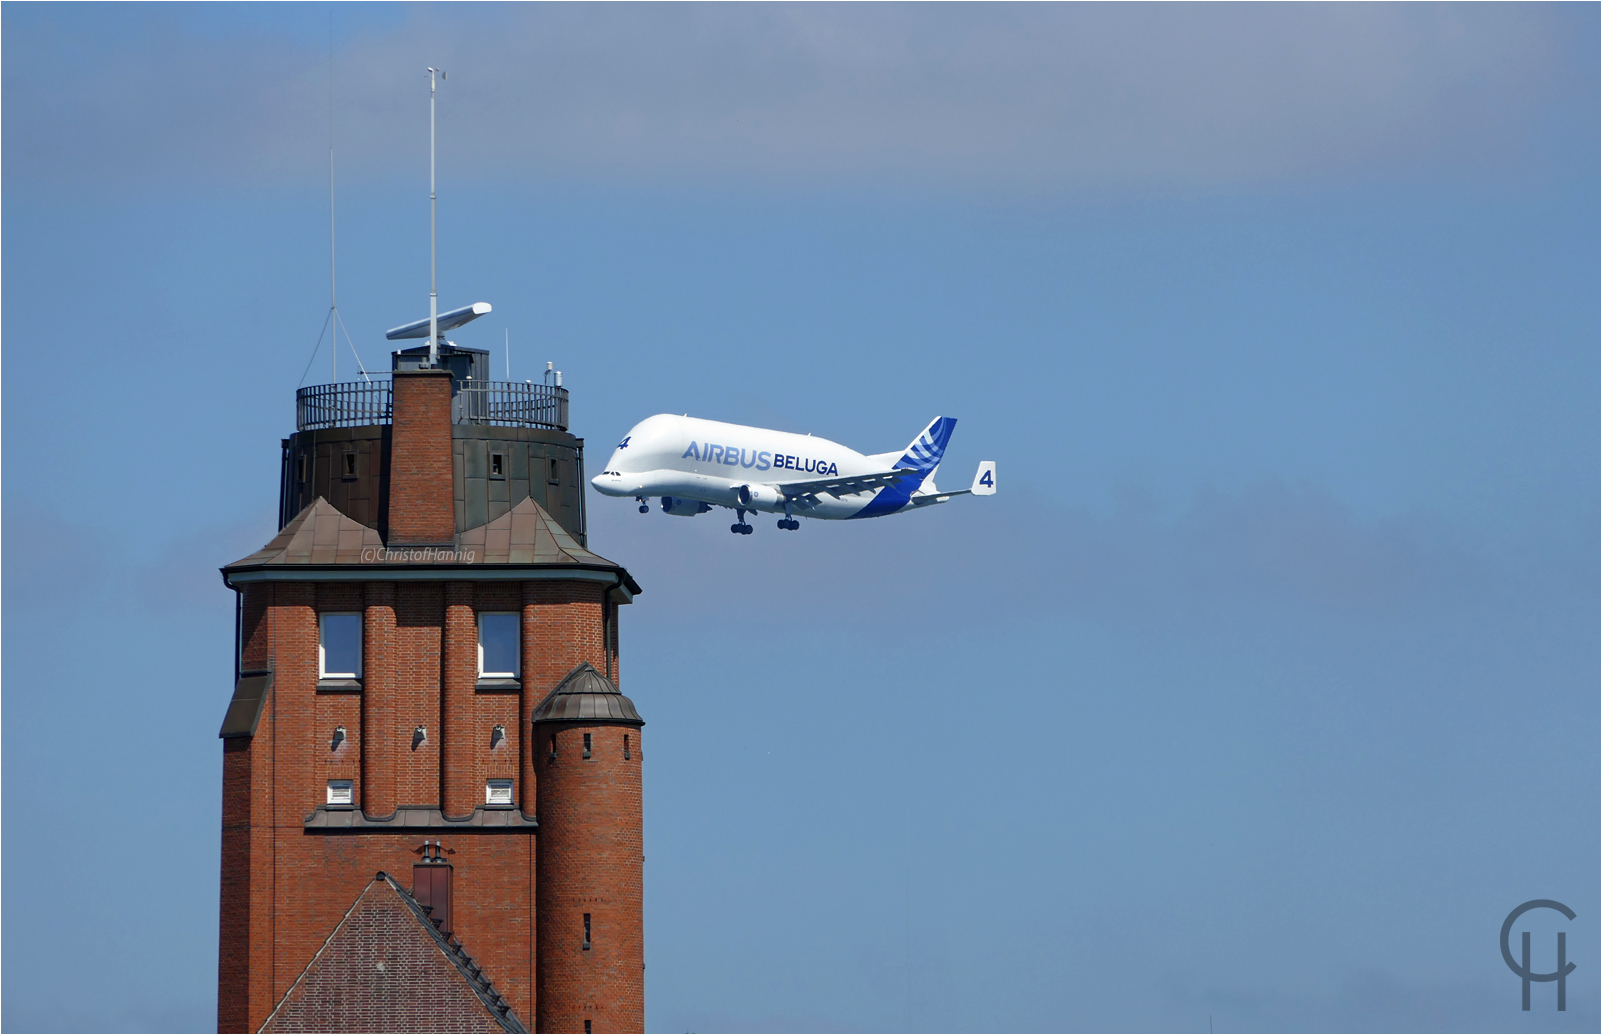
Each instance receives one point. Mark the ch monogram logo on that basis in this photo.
(1564, 967)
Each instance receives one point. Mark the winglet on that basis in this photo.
(984, 479)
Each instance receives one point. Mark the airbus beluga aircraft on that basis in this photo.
(694, 465)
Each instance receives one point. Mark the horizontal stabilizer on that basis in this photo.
(984, 480)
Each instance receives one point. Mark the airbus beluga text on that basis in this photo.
(694, 465)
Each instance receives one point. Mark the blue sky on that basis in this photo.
(1262, 692)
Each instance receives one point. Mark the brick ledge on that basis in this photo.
(324, 820)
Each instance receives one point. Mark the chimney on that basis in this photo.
(422, 507)
(431, 887)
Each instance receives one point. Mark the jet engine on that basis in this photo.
(682, 507)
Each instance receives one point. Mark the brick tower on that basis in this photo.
(400, 848)
(590, 896)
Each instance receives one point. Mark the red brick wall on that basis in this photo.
(283, 890)
(420, 614)
(591, 860)
(233, 950)
(459, 745)
(377, 789)
(422, 505)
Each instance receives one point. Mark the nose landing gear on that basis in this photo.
(645, 508)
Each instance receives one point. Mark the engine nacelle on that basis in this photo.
(682, 507)
(753, 496)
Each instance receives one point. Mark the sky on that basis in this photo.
(1261, 692)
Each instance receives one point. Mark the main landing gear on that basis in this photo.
(740, 527)
(789, 524)
(645, 508)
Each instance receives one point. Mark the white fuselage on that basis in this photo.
(712, 462)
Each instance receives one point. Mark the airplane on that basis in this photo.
(695, 464)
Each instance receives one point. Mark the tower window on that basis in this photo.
(341, 792)
(586, 745)
(626, 754)
(500, 644)
(555, 476)
(339, 645)
(300, 468)
(586, 944)
(497, 465)
(552, 757)
(586, 1026)
(350, 465)
(497, 792)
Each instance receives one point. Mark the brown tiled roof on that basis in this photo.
(385, 967)
(587, 696)
(526, 535)
(320, 534)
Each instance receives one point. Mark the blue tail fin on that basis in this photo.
(926, 451)
(922, 457)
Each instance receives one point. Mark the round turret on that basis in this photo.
(591, 955)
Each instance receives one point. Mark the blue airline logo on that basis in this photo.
(711, 453)
(924, 454)
(922, 457)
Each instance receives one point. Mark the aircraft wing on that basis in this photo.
(846, 486)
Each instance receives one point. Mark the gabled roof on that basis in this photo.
(320, 534)
(386, 968)
(587, 696)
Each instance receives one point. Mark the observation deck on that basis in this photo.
(356, 404)
(509, 442)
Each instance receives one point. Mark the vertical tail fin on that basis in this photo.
(924, 453)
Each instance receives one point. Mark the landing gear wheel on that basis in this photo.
(789, 524)
(736, 527)
(644, 509)
(746, 530)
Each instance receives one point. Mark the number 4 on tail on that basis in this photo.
(984, 481)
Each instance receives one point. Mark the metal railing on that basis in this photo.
(353, 404)
(517, 403)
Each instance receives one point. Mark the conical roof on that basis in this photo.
(587, 696)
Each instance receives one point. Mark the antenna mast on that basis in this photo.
(333, 264)
(333, 321)
(433, 233)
